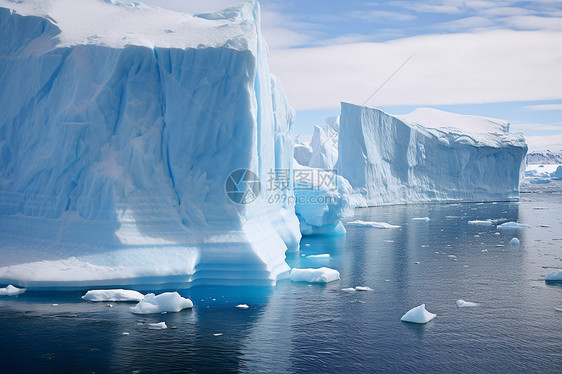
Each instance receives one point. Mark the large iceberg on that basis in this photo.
(428, 155)
(120, 125)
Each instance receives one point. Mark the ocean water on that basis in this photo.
(301, 328)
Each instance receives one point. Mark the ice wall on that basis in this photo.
(120, 124)
(388, 160)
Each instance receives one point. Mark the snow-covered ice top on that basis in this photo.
(439, 119)
(119, 23)
(555, 275)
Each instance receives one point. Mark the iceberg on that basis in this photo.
(321, 201)
(131, 147)
(487, 222)
(466, 304)
(514, 241)
(418, 315)
(321, 275)
(324, 148)
(10, 290)
(157, 326)
(113, 295)
(422, 219)
(428, 156)
(373, 224)
(169, 302)
(513, 225)
(553, 276)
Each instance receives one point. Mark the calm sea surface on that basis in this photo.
(298, 328)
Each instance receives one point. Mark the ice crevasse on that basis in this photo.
(120, 124)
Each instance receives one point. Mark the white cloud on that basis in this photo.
(496, 66)
(534, 23)
(552, 142)
(526, 127)
(378, 15)
(543, 107)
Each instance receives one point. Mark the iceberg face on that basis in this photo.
(324, 148)
(117, 137)
(554, 276)
(389, 160)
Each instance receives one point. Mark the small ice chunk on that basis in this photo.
(165, 302)
(113, 295)
(466, 304)
(10, 290)
(487, 222)
(555, 275)
(125, 333)
(514, 241)
(349, 289)
(424, 219)
(157, 326)
(513, 225)
(376, 225)
(418, 315)
(242, 306)
(321, 275)
(363, 288)
(324, 255)
(218, 334)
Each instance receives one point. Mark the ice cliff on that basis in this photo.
(428, 155)
(120, 124)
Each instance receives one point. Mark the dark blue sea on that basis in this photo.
(301, 328)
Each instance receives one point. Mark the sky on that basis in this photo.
(493, 58)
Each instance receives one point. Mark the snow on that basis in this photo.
(514, 241)
(242, 306)
(321, 275)
(165, 302)
(418, 315)
(157, 326)
(487, 222)
(120, 124)
(555, 275)
(113, 295)
(466, 304)
(424, 219)
(10, 290)
(391, 160)
(376, 225)
(513, 225)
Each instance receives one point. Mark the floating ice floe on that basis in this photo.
(513, 225)
(555, 275)
(487, 222)
(376, 225)
(242, 306)
(418, 315)
(424, 219)
(10, 290)
(165, 302)
(321, 275)
(514, 241)
(157, 326)
(324, 255)
(363, 288)
(466, 304)
(113, 295)
(349, 289)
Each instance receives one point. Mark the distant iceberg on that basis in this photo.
(555, 275)
(428, 156)
(373, 224)
(10, 290)
(466, 304)
(113, 295)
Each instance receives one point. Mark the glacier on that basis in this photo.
(120, 124)
(427, 156)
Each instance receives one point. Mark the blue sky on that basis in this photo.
(499, 58)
